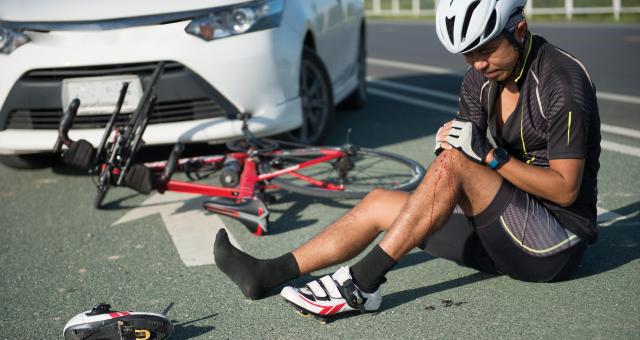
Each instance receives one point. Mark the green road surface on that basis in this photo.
(58, 256)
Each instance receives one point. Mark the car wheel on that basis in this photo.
(316, 96)
(30, 161)
(358, 98)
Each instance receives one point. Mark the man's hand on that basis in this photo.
(465, 136)
(441, 138)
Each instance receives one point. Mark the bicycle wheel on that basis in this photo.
(358, 172)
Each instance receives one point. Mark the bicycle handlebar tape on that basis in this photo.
(65, 124)
(80, 154)
(140, 179)
(172, 162)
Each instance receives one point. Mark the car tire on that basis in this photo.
(316, 95)
(358, 98)
(29, 161)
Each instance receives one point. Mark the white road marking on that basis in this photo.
(620, 148)
(606, 217)
(190, 227)
(415, 89)
(417, 102)
(618, 130)
(413, 67)
(623, 98)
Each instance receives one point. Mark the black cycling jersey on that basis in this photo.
(556, 117)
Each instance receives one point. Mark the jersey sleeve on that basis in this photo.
(571, 106)
(470, 105)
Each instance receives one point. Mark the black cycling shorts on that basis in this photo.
(516, 235)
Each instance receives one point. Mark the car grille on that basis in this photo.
(165, 112)
(34, 102)
(59, 74)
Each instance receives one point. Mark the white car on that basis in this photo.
(288, 62)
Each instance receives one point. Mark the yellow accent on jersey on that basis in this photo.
(569, 129)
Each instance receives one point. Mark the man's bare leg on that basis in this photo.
(340, 241)
(451, 179)
(352, 233)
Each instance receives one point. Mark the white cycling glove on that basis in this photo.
(438, 149)
(468, 138)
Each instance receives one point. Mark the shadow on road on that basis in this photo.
(399, 298)
(185, 330)
(384, 122)
(617, 245)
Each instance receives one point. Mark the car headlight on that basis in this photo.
(10, 40)
(238, 19)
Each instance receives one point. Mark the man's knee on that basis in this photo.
(454, 160)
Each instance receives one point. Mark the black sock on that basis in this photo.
(369, 272)
(254, 277)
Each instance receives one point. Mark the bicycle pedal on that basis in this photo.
(253, 213)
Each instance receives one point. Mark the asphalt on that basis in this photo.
(58, 255)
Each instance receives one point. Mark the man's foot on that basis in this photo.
(331, 295)
(254, 277)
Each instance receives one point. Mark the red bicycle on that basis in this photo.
(239, 181)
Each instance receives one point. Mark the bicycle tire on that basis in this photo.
(99, 198)
(102, 187)
(410, 172)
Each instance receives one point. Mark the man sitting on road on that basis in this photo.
(525, 208)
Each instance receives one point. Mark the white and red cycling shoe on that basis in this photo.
(332, 295)
(103, 323)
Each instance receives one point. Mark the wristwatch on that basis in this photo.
(500, 156)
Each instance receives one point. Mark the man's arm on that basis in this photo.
(559, 183)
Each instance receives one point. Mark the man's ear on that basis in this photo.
(521, 30)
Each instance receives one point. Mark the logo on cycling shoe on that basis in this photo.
(142, 334)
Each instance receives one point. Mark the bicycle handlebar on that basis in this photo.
(172, 163)
(65, 124)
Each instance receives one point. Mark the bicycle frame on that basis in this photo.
(241, 200)
(249, 178)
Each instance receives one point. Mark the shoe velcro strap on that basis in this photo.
(352, 295)
(317, 290)
(331, 286)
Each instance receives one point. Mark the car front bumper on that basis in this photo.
(255, 72)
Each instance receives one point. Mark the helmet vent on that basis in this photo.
(472, 45)
(450, 23)
(491, 24)
(467, 18)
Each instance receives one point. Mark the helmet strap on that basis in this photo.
(519, 47)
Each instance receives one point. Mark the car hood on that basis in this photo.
(86, 10)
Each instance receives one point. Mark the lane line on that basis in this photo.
(623, 98)
(613, 129)
(616, 97)
(417, 102)
(620, 148)
(413, 67)
(618, 130)
(604, 144)
(415, 89)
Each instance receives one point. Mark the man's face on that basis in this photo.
(495, 59)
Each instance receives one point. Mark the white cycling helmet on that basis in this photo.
(464, 25)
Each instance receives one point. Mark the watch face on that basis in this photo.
(501, 155)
